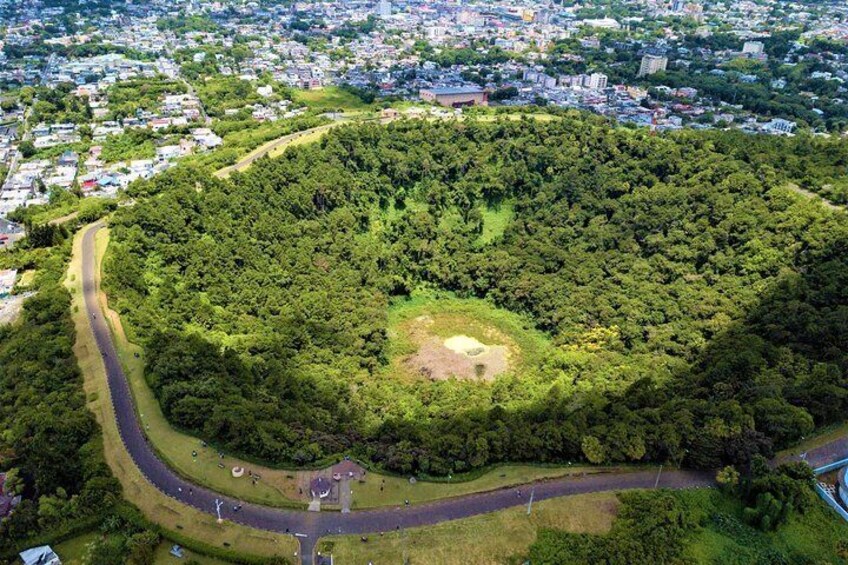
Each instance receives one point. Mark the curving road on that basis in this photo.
(312, 525)
(269, 147)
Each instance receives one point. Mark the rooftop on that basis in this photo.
(443, 90)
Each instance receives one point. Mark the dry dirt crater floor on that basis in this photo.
(474, 358)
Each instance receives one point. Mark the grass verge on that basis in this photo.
(486, 539)
(154, 505)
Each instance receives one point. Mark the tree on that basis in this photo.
(728, 479)
(142, 547)
(14, 483)
(106, 551)
(27, 148)
(594, 450)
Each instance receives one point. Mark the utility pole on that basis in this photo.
(218, 504)
(657, 482)
(530, 504)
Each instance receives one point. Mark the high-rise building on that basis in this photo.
(597, 81)
(652, 64)
(753, 47)
(384, 8)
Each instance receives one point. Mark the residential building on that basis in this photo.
(597, 81)
(753, 48)
(780, 126)
(652, 64)
(43, 555)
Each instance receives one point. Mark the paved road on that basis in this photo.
(269, 147)
(285, 140)
(312, 524)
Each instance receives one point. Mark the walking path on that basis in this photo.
(310, 525)
(813, 196)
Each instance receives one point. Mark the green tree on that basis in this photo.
(593, 450)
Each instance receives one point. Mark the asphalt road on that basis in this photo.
(315, 524)
(269, 147)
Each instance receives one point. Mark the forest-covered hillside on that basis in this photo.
(696, 308)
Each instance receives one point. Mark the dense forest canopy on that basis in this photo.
(696, 308)
(49, 441)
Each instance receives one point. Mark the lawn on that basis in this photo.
(311, 137)
(489, 538)
(330, 98)
(163, 556)
(72, 551)
(276, 147)
(495, 220)
(26, 279)
(157, 507)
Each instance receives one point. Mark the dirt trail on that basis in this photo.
(812, 195)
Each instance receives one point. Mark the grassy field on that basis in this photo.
(164, 557)
(725, 539)
(72, 551)
(396, 490)
(486, 539)
(495, 221)
(472, 317)
(26, 279)
(157, 507)
(329, 99)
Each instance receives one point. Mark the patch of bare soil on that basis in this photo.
(11, 307)
(458, 356)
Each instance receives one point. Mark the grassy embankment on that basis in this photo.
(156, 506)
(331, 99)
(489, 538)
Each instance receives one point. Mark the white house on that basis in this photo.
(43, 555)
